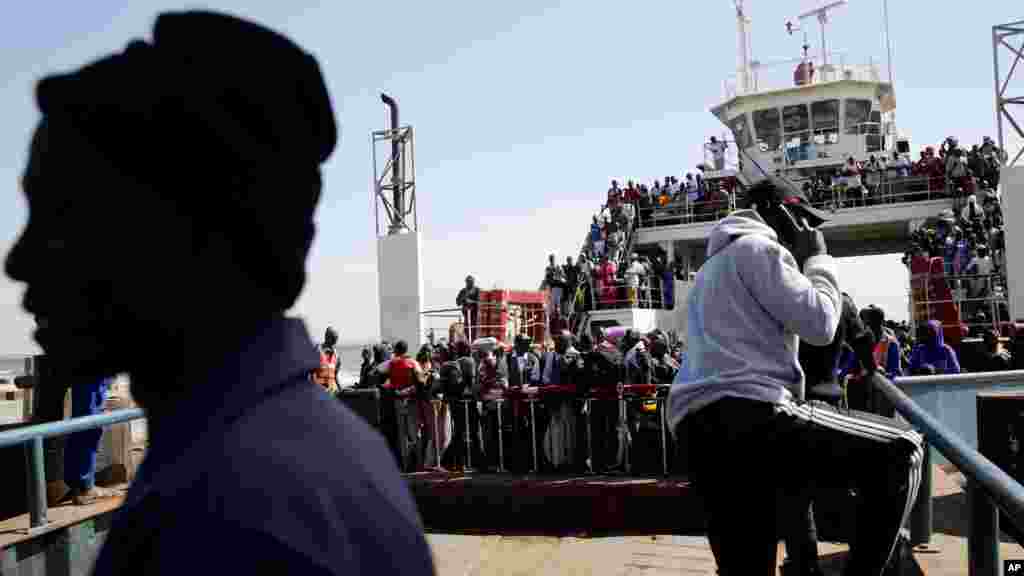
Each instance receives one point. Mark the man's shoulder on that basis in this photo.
(757, 245)
(304, 448)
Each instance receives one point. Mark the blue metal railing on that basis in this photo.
(32, 438)
(989, 486)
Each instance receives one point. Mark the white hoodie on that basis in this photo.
(747, 310)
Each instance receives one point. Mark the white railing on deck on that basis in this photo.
(778, 76)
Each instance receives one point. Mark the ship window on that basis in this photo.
(825, 115)
(874, 141)
(768, 125)
(796, 118)
(741, 131)
(857, 113)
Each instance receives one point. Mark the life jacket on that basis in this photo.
(325, 374)
(881, 354)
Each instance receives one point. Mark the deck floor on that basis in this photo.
(649, 555)
(15, 530)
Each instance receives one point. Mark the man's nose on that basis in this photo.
(16, 262)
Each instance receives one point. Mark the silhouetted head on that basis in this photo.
(470, 281)
(425, 354)
(171, 189)
(401, 348)
(523, 344)
(330, 337)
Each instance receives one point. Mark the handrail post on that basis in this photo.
(36, 482)
(983, 536)
(921, 515)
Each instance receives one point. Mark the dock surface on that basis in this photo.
(586, 552)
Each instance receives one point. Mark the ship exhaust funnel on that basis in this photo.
(396, 152)
(393, 187)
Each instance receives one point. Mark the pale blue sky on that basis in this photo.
(522, 110)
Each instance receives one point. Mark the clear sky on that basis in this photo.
(523, 111)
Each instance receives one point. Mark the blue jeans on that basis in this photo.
(80, 447)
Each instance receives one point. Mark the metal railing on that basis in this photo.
(836, 198)
(989, 295)
(32, 438)
(989, 487)
(476, 440)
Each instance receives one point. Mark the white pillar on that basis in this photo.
(400, 287)
(1012, 183)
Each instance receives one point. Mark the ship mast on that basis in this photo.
(822, 15)
(743, 37)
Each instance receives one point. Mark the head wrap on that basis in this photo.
(229, 119)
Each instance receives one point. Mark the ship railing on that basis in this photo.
(617, 295)
(989, 488)
(767, 77)
(31, 437)
(884, 190)
(511, 414)
(838, 197)
(684, 211)
(989, 296)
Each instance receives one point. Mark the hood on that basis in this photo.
(934, 337)
(739, 223)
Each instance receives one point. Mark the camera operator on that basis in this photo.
(740, 405)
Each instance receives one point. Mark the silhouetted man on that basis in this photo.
(469, 300)
(171, 191)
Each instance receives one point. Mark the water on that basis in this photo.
(12, 365)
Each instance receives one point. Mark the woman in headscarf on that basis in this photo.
(932, 355)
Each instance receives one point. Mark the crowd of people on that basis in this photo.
(958, 264)
(901, 351)
(442, 406)
(877, 179)
(880, 179)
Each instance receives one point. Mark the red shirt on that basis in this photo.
(400, 371)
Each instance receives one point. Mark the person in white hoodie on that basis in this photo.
(739, 409)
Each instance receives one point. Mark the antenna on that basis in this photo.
(743, 35)
(822, 15)
(790, 28)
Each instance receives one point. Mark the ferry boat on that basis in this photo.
(804, 127)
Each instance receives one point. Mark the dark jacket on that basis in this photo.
(518, 378)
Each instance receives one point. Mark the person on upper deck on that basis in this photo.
(554, 280)
(739, 403)
(572, 283)
(250, 466)
(614, 195)
(718, 152)
(468, 300)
